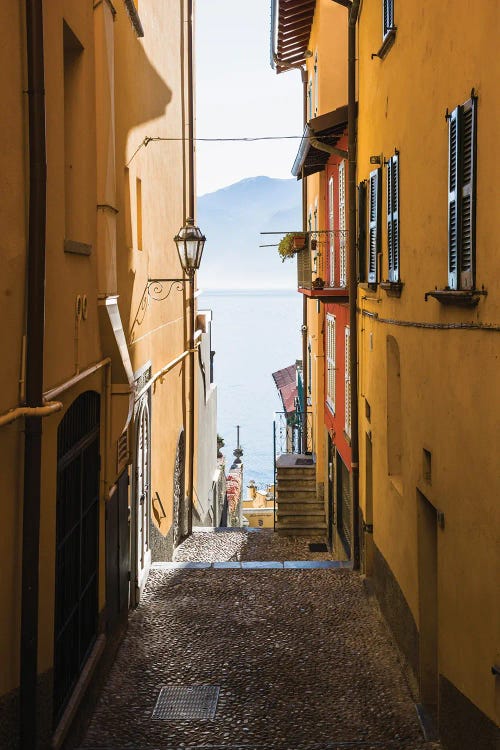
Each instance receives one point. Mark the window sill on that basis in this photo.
(392, 288)
(389, 40)
(77, 248)
(457, 298)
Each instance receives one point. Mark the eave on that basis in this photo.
(291, 22)
(329, 127)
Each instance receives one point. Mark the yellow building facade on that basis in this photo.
(115, 441)
(428, 363)
(428, 344)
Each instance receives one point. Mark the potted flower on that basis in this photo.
(290, 244)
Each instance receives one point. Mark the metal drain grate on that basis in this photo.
(180, 703)
(318, 547)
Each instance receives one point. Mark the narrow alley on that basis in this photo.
(297, 649)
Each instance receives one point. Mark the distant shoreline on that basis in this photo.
(249, 291)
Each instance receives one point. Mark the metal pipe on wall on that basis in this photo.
(35, 304)
(191, 204)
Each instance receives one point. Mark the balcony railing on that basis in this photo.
(322, 269)
(293, 433)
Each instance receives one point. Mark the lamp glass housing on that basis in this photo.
(190, 243)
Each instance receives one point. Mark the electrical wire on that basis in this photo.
(243, 139)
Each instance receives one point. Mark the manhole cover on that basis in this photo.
(304, 461)
(180, 703)
(318, 547)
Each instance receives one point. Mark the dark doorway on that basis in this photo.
(331, 491)
(428, 603)
(344, 505)
(368, 529)
(77, 544)
(117, 552)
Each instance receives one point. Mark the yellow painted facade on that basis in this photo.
(429, 411)
(113, 208)
(447, 423)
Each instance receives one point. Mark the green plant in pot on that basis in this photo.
(290, 244)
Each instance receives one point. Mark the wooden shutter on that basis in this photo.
(304, 270)
(454, 149)
(393, 217)
(343, 261)
(330, 361)
(468, 195)
(347, 383)
(374, 229)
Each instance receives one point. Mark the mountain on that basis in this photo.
(232, 218)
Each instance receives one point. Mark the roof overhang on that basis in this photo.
(329, 128)
(291, 22)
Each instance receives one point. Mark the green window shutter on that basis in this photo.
(362, 231)
(454, 174)
(468, 195)
(304, 268)
(393, 217)
(374, 228)
(388, 16)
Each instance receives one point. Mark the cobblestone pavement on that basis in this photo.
(301, 658)
(218, 545)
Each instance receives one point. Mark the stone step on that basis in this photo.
(286, 494)
(300, 510)
(303, 522)
(296, 484)
(296, 473)
(318, 531)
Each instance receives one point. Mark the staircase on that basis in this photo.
(299, 513)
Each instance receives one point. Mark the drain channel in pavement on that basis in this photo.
(181, 703)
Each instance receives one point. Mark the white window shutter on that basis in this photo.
(330, 360)
(347, 383)
(331, 228)
(342, 225)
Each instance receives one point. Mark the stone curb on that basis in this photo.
(255, 565)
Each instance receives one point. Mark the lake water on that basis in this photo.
(254, 333)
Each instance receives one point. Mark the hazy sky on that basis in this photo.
(238, 95)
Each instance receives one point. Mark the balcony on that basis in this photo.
(322, 266)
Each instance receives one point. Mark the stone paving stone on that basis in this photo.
(301, 657)
(219, 545)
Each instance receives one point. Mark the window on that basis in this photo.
(331, 235)
(330, 361)
(343, 262)
(393, 217)
(347, 383)
(388, 17)
(462, 196)
(310, 100)
(374, 229)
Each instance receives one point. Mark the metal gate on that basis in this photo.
(77, 543)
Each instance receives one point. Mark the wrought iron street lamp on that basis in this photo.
(190, 243)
